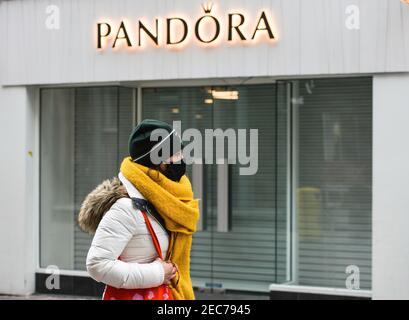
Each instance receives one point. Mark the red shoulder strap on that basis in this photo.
(153, 235)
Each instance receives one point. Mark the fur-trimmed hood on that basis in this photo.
(98, 202)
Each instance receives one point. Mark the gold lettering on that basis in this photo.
(124, 37)
(237, 27)
(168, 28)
(266, 26)
(154, 37)
(100, 35)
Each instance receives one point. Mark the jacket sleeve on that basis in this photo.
(113, 233)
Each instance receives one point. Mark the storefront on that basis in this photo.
(325, 91)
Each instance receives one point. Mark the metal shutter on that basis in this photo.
(103, 122)
(250, 253)
(335, 180)
(186, 105)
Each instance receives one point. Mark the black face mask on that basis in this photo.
(175, 171)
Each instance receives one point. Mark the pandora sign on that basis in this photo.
(211, 28)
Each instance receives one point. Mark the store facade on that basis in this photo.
(325, 212)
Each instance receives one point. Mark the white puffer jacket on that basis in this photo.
(122, 253)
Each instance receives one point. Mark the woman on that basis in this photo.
(122, 253)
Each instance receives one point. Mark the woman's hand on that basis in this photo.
(170, 271)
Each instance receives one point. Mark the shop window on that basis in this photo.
(239, 244)
(84, 134)
(304, 218)
(334, 181)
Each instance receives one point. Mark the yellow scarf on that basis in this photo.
(176, 204)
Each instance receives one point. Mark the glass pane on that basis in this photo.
(248, 255)
(57, 178)
(190, 106)
(334, 180)
(84, 134)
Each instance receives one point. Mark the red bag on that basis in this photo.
(163, 292)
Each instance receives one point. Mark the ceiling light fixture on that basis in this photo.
(225, 95)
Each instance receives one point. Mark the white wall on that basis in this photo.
(18, 202)
(391, 187)
(312, 39)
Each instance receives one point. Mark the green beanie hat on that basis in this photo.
(141, 144)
